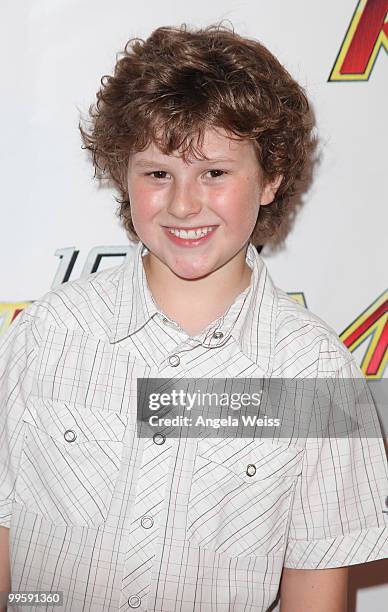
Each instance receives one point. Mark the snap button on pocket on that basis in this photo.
(251, 469)
(70, 435)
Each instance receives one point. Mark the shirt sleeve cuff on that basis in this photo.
(5, 513)
(349, 549)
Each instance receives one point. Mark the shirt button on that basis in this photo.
(159, 438)
(174, 360)
(134, 601)
(251, 469)
(69, 435)
(164, 320)
(146, 522)
(218, 334)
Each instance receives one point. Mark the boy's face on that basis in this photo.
(220, 197)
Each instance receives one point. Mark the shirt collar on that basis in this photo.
(250, 319)
(134, 304)
(254, 329)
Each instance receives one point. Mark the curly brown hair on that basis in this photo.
(171, 87)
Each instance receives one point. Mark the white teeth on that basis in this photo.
(190, 234)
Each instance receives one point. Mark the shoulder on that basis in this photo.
(86, 304)
(305, 342)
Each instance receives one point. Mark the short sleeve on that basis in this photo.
(17, 358)
(339, 513)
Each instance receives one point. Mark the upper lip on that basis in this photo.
(188, 228)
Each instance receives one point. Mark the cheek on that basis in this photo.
(241, 204)
(144, 203)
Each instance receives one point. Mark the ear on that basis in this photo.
(269, 190)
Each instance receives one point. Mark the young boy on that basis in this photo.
(205, 135)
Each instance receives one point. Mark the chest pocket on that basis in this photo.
(70, 461)
(241, 494)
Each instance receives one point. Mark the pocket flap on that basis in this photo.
(269, 458)
(70, 423)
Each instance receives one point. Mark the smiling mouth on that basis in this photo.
(191, 234)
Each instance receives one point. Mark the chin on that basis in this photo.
(190, 274)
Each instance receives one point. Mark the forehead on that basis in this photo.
(212, 144)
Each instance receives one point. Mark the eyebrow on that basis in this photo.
(144, 163)
(218, 160)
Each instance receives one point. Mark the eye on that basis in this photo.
(158, 174)
(216, 173)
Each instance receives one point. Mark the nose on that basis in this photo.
(184, 200)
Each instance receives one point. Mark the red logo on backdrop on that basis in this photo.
(366, 35)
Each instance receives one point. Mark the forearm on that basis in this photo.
(314, 590)
(5, 574)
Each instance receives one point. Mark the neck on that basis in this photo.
(211, 294)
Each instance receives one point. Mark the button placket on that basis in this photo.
(143, 540)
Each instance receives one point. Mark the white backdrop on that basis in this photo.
(53, 54)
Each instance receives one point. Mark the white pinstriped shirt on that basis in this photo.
(117, 522)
